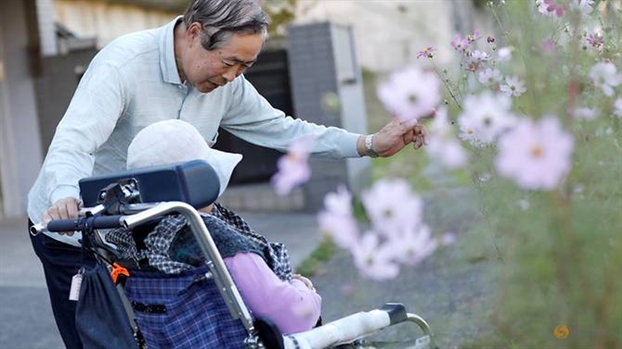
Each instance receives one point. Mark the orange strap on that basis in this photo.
(116, 270)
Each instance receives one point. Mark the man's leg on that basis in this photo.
(60, 263)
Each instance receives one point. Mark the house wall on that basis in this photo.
(20, 145)
(107, 21)
(390, 33)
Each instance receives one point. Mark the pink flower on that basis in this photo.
(426, 52)
(548, 46)
(411, 93)
(336, 219)
(293, 168)
(442, 145)
(554, 6)
(485, 117)
(617, 107)
(413, 246)
(392, 207)
(596, 40)
(374, 260)
(459, 44)
(474, 37)
(537, 156)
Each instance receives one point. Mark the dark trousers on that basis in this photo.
(60, 263)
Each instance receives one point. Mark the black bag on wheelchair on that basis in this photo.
(101, 319)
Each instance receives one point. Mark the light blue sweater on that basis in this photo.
(133, 82)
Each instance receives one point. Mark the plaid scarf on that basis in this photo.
(159, 240)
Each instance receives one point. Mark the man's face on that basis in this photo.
(208, 70)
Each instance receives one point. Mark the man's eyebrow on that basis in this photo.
(237, 60)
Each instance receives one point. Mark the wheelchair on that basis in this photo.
(133, 198)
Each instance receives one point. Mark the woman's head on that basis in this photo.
(176, 141)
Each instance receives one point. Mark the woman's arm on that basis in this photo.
(292, 306)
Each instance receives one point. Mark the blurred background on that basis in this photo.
(46, 45)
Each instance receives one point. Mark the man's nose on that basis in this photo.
(232, 73)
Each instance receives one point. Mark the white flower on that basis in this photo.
(536, 156)
(489, 76)
(485, 117)
(583, 6)
(523, 204)
(513, 86)
(411, 93)
(617, 107)
(586, 113)
(605, 76)
(479, 56)
(505, 53)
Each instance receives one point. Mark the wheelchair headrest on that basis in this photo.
(193, 182)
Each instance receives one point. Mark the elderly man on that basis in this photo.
(190, 69)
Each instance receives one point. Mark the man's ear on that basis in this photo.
(194, 30)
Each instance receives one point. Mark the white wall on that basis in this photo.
(389, 33)
(106, 21)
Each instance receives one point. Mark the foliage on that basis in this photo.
(561, 244)
(282, 13)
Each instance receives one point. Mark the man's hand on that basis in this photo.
(66, 208)
(395, 136)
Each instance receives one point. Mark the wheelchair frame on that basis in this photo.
(127, 210)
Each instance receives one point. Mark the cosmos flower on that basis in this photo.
(585, 7)
(411, 93)
(617, 107)
(536, 155)
(392, 206)
(413, 246)
(595, 40)
(554, 6)
(513, 86)
(485, 117)
(442, 145)
(605, 76)
(293, 168)
(336, 219)
(373, 259)
(585, 113)
(489, 76)
(426, 52)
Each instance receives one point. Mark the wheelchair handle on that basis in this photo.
(79, 224)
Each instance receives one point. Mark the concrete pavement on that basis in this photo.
(26, 320)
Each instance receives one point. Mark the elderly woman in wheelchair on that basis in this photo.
(169, 247)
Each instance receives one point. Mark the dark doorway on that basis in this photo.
(270, 76)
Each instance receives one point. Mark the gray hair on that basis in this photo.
(223, 18)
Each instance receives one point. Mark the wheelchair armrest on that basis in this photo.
(356, 326)
(193, 182)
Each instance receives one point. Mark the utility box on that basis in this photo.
(327, 89)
